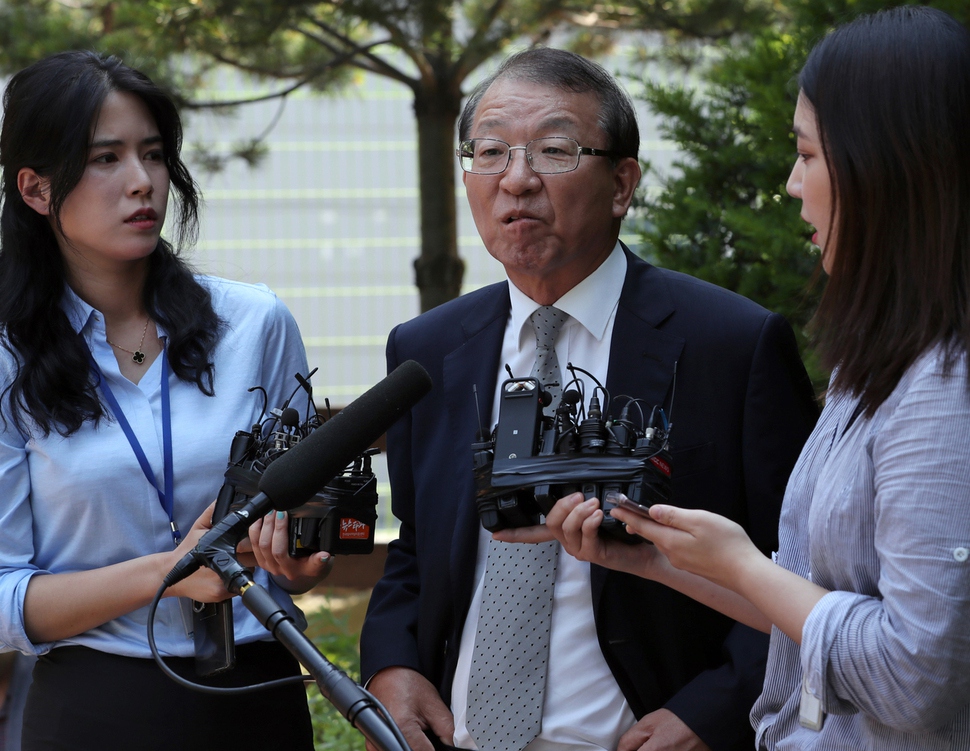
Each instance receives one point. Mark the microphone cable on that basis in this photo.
(201, 687)
(374, 702)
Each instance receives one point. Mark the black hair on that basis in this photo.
(50, 109)
(567, 71)
(891, 97)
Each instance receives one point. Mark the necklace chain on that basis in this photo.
(138, 356)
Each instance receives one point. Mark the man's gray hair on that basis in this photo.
(566, 71)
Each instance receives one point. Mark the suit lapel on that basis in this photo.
(474, 362)
(642, 355)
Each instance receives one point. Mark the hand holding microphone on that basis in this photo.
(204, 586)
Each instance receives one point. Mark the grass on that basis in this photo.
(334, 626)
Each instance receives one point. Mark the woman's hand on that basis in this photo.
(59, 606)
(705, 551)
(700, 542)
(747, 585)
(269, 544)
(204, 585)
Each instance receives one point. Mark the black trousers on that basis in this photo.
(85, 700)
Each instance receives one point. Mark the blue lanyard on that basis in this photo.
(165, 495)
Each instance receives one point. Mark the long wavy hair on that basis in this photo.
(891, 94)
(50, 109)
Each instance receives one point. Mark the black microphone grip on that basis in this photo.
(224, 535)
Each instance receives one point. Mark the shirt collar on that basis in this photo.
(81, 315)
(591, 302)
(78, 312)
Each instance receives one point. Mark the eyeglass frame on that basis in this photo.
(583, 150)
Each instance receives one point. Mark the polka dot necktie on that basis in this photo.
(507, 682)
(547, 321)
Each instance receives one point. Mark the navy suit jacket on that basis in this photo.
(743, 408)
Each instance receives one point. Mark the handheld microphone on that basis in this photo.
(300, 472)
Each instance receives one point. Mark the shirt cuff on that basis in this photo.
(822, 629)
(13, 590)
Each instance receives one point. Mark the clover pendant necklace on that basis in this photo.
(138, 356)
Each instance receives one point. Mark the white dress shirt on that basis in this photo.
(583, 706)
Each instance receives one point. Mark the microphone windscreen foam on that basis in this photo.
(305, 469)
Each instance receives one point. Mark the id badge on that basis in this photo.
(188, 620)
(810, 714)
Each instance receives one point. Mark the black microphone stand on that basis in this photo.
(360, 708)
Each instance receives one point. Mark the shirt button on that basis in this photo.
(961, 554)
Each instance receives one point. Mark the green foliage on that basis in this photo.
(338, 643)
(723, 213)
(706, 19)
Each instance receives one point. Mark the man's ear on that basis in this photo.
(35, 190)
(626, 177)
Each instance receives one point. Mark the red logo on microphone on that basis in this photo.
(661, 465)
(353, 529)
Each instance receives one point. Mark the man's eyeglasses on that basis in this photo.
(546, 156)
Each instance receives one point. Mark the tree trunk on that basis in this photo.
(439, 269)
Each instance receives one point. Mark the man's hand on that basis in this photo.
(661, 731)
(414, 705)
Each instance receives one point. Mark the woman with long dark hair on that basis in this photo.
(868, 600)
(124, 377)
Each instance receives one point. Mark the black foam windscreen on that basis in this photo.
(289, 417)
(305, 469)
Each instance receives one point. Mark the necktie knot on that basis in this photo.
(547, 320)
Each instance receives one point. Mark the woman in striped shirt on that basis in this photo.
(868, 597)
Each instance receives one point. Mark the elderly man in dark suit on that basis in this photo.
(549, 146)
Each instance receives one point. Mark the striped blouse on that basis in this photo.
(878, 511)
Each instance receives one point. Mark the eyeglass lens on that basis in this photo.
(488, 156)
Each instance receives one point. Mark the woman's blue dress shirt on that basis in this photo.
(878, 511)
(83, 502)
